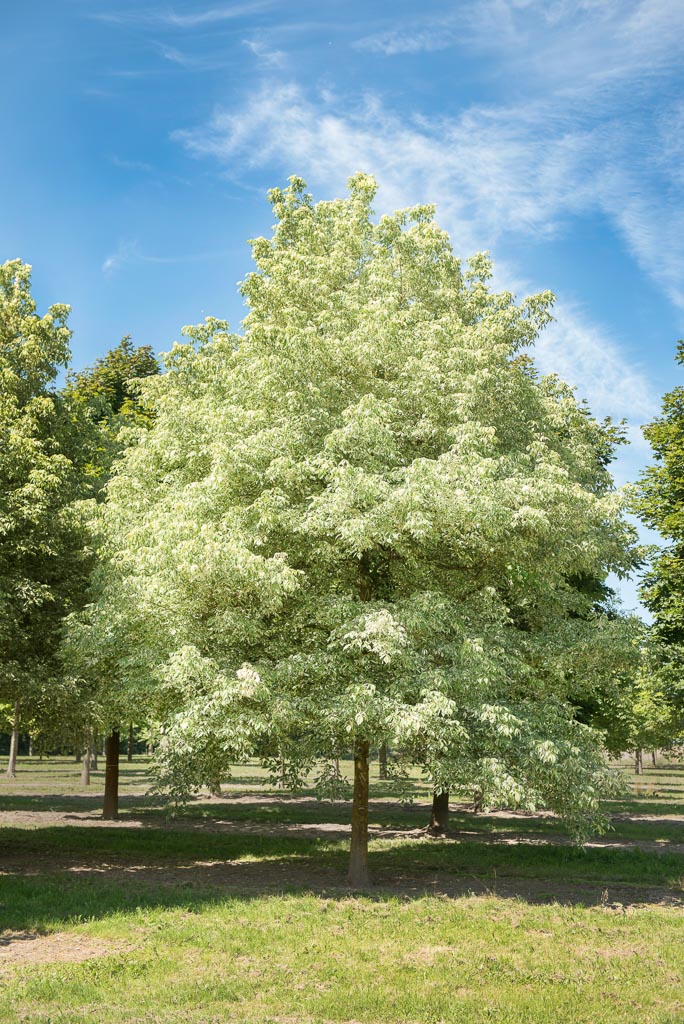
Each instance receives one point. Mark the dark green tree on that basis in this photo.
(660, 503)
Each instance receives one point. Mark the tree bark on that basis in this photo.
(359, 876)
(280, 781)
(654, 756)
(638, 762)
(14, 745)
(85, 762)
(31, 751)
(110, 807)
(129, 751)
(382, 761)
(439, 816)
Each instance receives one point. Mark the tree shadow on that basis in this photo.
(64, 875)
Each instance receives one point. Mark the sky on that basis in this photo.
(139, 142)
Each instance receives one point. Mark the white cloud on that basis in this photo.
(588, 358)
(568, 42)
(491, 171)
(266, 56)
(194, 19)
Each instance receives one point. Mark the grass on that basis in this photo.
(237, 911)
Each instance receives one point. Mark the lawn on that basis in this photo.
(237, 909)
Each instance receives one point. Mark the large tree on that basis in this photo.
(357, 523)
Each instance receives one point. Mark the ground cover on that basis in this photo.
(236, 910)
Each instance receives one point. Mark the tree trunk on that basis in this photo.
(110, 807)
(638, 762)
(85, 762)
(439, 816)
(31, 751)
(358, 860)
(129, 751)
(382, 761)
(14, 745)
(92, 752)
(280, 781)
(654, 756)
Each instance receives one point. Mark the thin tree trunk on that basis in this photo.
(280, 781)
(382, 761)
(638, 762)
(359, 876)
(14, 745)
(654, 755)
(129, 751)
(93, 752)
(110, 807)
(439, 816)
(85, 762)
(31, 751)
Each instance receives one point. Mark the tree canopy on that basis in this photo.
(360, 520)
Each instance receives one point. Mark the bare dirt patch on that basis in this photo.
(60, 947)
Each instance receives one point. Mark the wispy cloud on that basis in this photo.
(185, 19)
(491, 172)
(590, 359)
(131, 165)
(203, 61)
(266, 56)
(577, 42)
(129, 252)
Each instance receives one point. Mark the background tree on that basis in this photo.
(356, 524)
(659, 500)
(107, 396)
(43, 549)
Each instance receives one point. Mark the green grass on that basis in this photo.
(229, 913)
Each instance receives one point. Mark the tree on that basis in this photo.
(43, 555)
(107, 396)
(659, 500)
(658, 711)
(355, 524)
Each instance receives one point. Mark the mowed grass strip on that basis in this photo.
(305, 958)
(220, 915)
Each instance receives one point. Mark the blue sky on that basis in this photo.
(139, 141)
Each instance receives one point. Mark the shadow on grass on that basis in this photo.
(55, 876)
